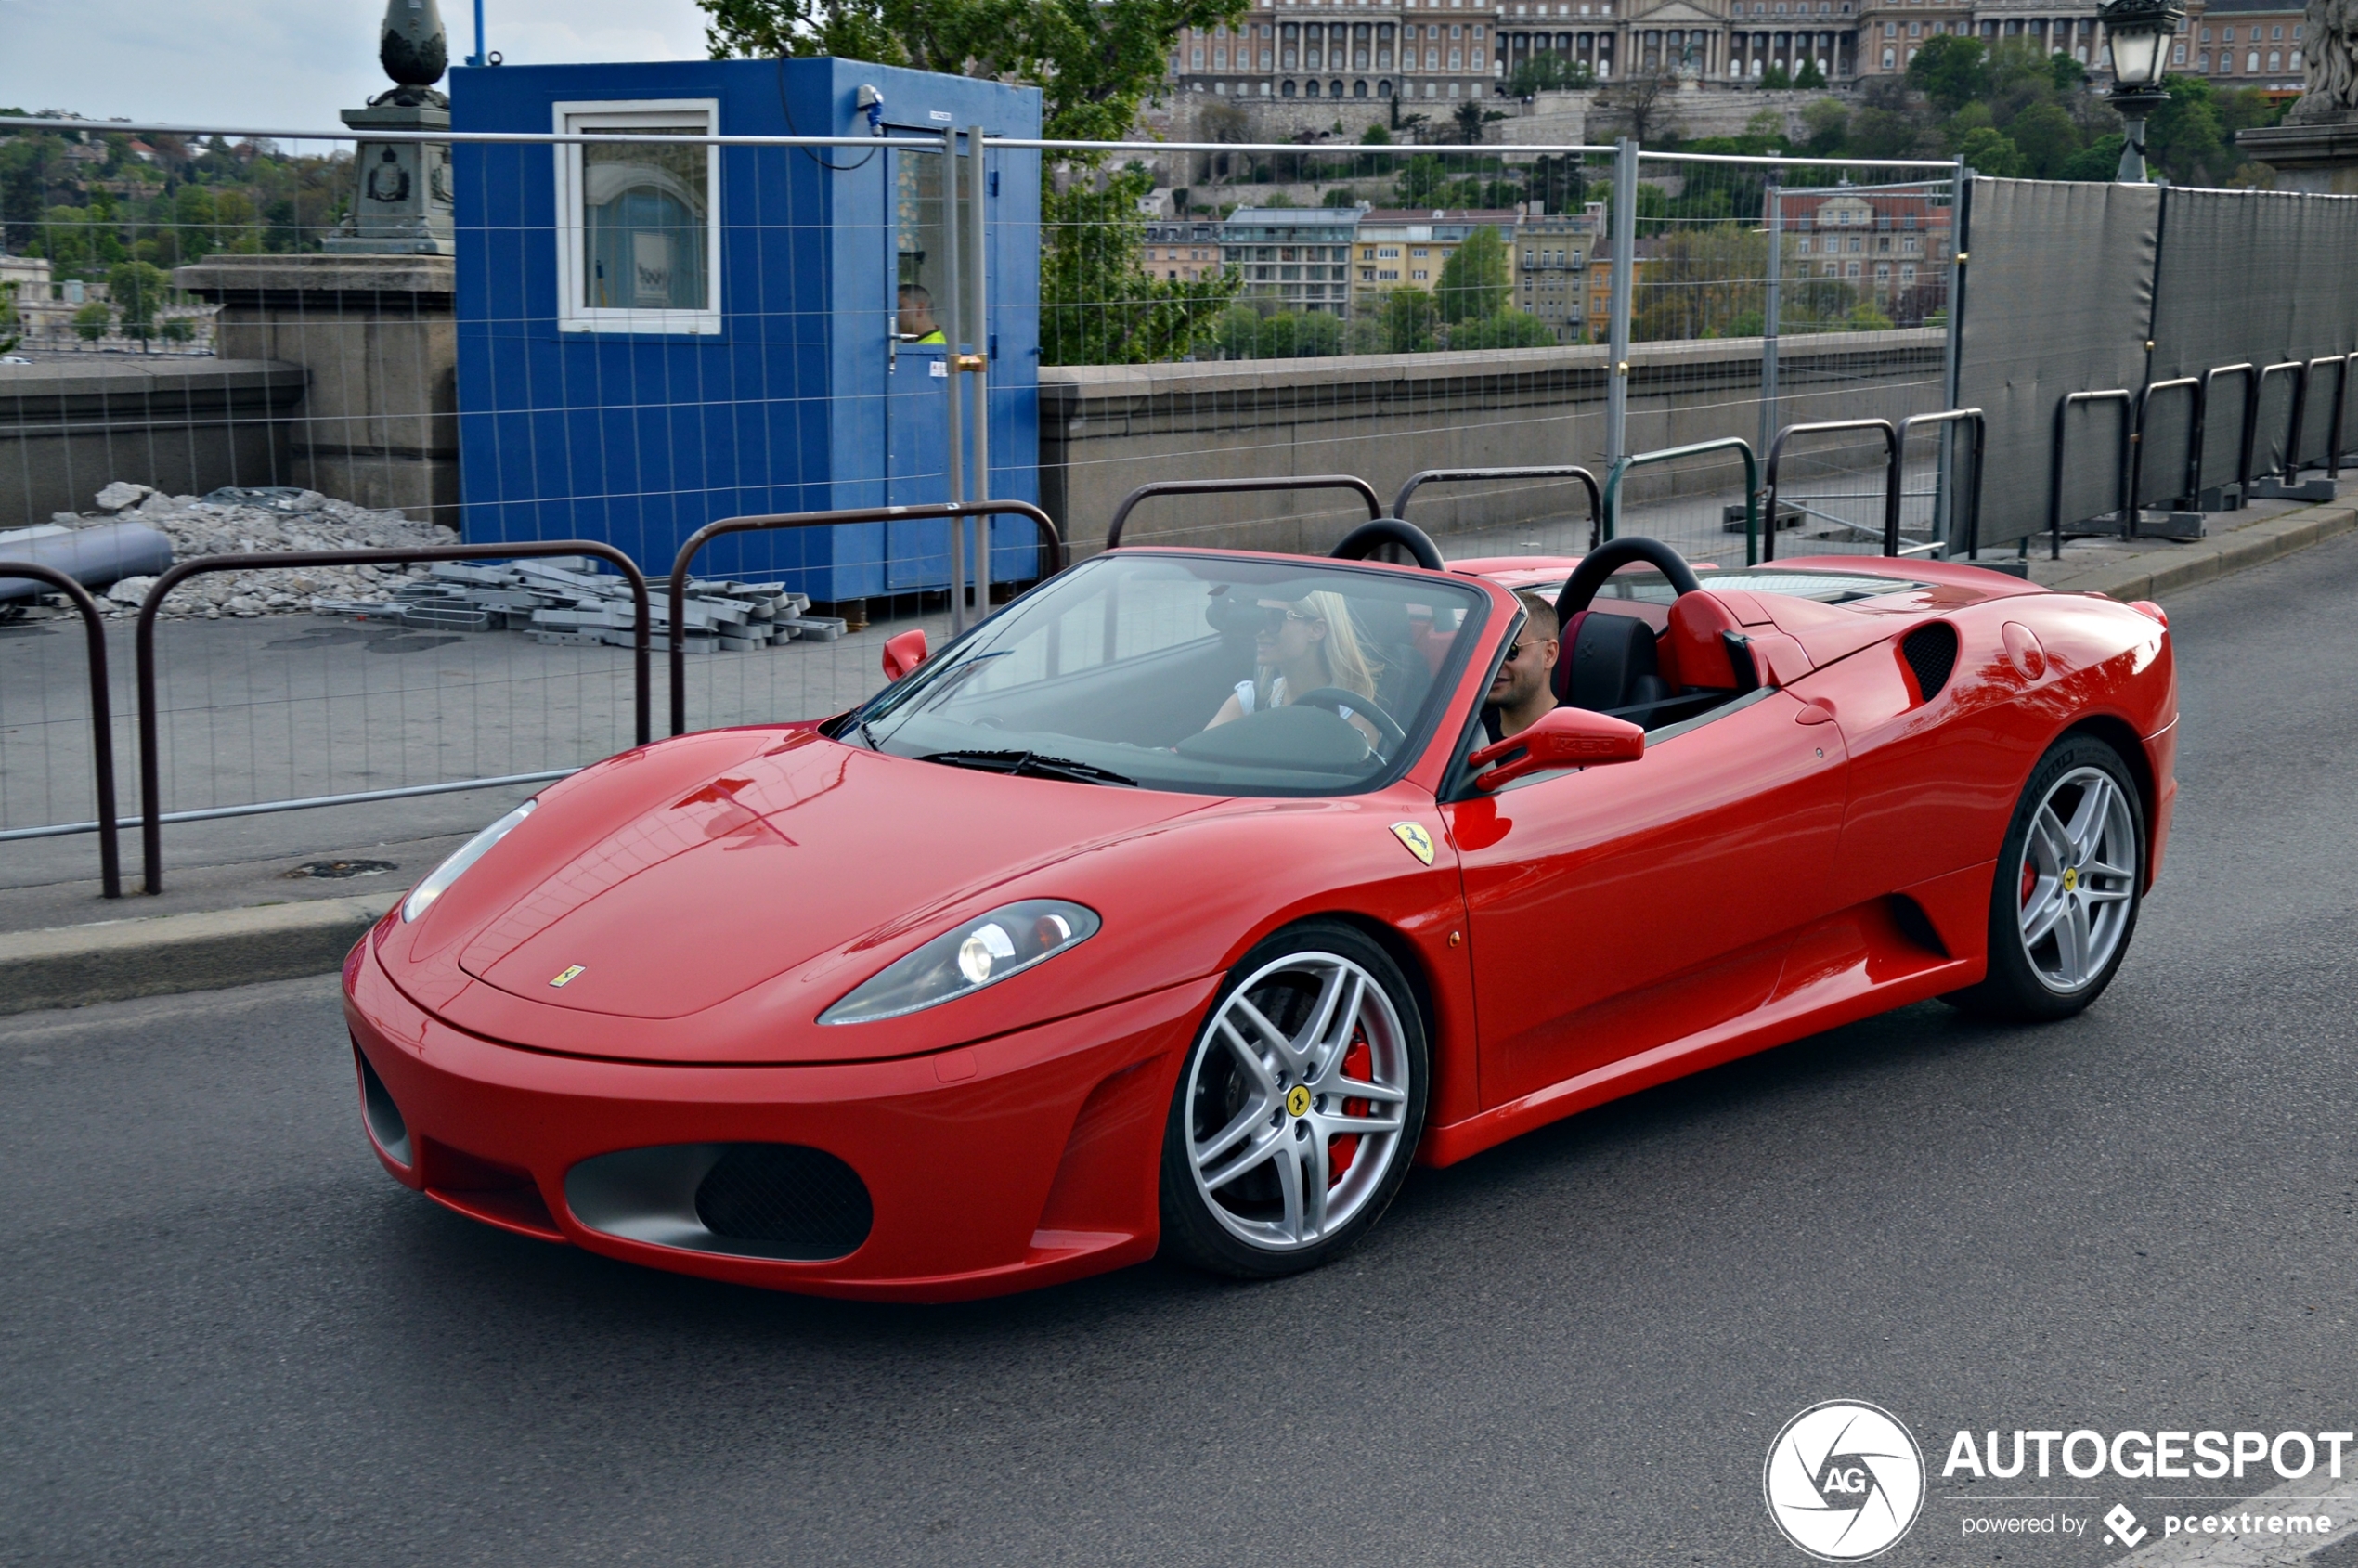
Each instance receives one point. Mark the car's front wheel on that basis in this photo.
(2067, 888)
(1299, 1106)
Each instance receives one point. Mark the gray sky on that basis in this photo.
(287, 63)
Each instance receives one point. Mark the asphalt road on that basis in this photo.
(230, 1339)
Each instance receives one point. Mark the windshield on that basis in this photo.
(1198, 673)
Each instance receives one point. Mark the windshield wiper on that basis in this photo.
(1030, 762)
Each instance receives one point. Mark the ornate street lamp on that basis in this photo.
(2139, 33)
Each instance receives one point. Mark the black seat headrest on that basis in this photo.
(1606, 659)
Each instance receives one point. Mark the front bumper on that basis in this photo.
(998, 1166)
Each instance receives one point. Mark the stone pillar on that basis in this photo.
(378, 424)
(2319, 154)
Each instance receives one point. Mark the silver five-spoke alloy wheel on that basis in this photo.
(1295, 1101)
(2077, 879)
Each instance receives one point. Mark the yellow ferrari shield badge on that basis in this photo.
(1418, 841)
(565, 976)
(1298, 1100)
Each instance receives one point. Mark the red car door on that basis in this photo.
(1623, 906)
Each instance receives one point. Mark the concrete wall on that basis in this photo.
(378, 424)
(1104, 431)
(68, 429)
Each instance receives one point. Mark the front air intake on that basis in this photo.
(384, 1119)
(787, 1202)
(1931, 652)
(786, 1195)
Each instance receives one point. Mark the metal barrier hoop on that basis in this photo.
(1051, 542)
(1891, 475)
(101, 715)
(2055, 464)
(150, 770)
(2299, 371)
(1221, 487)
(2137, 441)
(1611, 513)
(2250, 371)
(1457, 475)
(1980, 423)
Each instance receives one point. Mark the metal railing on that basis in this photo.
(1820, 427)
(1612, 498)
(101, 725)
(1366, 492)
(1980, 423)
(2137, 442)
(2250, 373)
(151, 813)
(1051, 547)
(2056, 466)
(1475, 475)
(2299, 371)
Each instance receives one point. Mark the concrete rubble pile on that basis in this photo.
(561, 600)
(557, 600)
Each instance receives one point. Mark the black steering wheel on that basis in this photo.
(1334, 699)
(1611, 557)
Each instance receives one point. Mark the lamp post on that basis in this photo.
(2138, 33)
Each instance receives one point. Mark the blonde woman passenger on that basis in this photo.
(1300, 647)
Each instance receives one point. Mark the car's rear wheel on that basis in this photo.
(2069, 881)
(1299, 1106)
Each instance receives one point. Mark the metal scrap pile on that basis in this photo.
(563, 600)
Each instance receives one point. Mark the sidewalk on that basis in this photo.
(239, 906)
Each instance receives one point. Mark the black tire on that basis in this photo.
(2029, 980)
(1254, 1225)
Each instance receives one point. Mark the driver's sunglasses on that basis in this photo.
(1274, 618)
(1525, 645)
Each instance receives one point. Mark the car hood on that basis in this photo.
(658, 891)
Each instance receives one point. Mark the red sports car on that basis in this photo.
(1186, 899)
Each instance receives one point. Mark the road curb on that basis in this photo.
(68, 965)
(2161, 573)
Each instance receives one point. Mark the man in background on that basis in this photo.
(916, 315)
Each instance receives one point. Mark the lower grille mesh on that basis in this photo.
(786, 1193)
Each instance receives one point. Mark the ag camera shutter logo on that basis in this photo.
(1843, 1481)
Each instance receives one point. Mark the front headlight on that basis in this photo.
(421, 896)
(981, 952)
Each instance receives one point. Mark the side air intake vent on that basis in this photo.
(1931, 652)
(750, 1200)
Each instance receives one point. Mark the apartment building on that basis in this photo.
(1892, 245)
(1180, 251)
(1552, 257)
(1299, 258)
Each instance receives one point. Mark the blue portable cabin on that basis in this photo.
(651, 338)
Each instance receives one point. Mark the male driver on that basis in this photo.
(1525, 686)
(916, 315)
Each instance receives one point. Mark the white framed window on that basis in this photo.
(639, 224)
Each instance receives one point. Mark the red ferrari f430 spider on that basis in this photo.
(1189, 900)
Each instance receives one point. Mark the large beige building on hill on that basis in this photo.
(1434, 51)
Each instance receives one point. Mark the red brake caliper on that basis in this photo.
(2029, 880)
(1360, 1063)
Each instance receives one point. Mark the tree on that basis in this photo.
(1810, 75)
(91, 321)
(2068, 74)
(1308, 335)
(2097, 163)
(1642, 103)
(178, 328)
(9, 336)
(1423, 179)
(1829, 125)
(1403, 323)
(137, 288)
(1375, 135)
(1473, 282)
(1509, 329)
(1776, 79)
(1472, 119)
(2046, 139)
(1991, 153)
(1952, 71)
(1098, 305)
